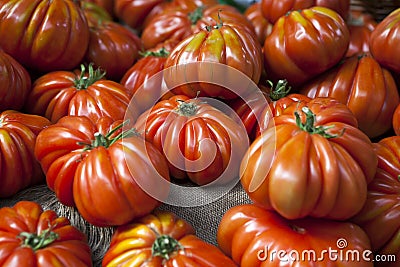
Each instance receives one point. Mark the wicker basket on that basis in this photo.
(378, 9)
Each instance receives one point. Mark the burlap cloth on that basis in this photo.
(205, 219)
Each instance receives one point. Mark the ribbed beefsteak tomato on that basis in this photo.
(380, 216)
(44, 35)
(228, 44)
(161, 239)
(311, 162)
(15, 83)
(365, 87)
(32, 237)
(61, 93)
(201, 142)
(112, 47)
(384, 42)
(305, 43)
(18, 166)
(97, 167)
(255, 237)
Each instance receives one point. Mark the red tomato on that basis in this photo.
(107, 5)
(396, 120)
(385, 42)
(95, 13)
(380, 216)
(176, 23)
(112, 47)
(19, 168)
(161, 239)
(15, 83)
(32, 237)
(315, 162)
(372, 98)
(200, 141)
(137, 78)
(231, 45)
(60, 93)
(305, 43)
(89, 166)
(134, 12)
(272, 10)
(46, 35)
(262, 26)
(255, 237)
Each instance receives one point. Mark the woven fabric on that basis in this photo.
(204, 219)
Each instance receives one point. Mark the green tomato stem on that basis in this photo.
(164, 246)
(40, 241)
(83, 82)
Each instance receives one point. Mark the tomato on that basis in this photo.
(176, 23)
(94, 12)
(60, 93)
(231, 45)
(315, 162)
(396, 120)
(256, 237)
(384, 42)
(305, 43)
(360, 25)
(46, 35)
(262, 26)
(112, 47)
(272, 10)
(372, 98)
(201, 142)
(19, 168)
(88, 166)
(193, 4)
(380, 216)
(134, 12)
(15, 83)
(32, 237)
(161, 239)
(137, 78)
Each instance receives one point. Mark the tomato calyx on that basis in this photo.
(164, 246)
(218, 25)
(297, 229)
(280, 90)
(38, 241)
(196, 15)
(83, 81)
(106, 140)
(160, 53)
(309, 124)
(187, 109)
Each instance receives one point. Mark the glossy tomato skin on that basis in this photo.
(46, 35)
(137, 79)
(56, 94)
(112, 47)
(134, 12)
(396, 120)
(15, 83)
(305, 43)
(253, 237)
(308, 174)
(272, 10)
(107, 5)
(262, 26)
(385, 42)
(372, 98)
(191, 250)
(231, 44)
(178, 135)
(18, 132)
(381, 212)
(100, 180)
(70, 248)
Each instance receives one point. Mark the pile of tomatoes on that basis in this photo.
(113, 104)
